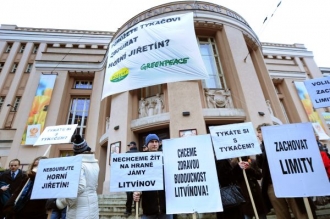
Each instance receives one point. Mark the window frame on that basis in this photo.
(9, 47)
(79, 82)
(16, 104)
(28, 68)
(35, 49)
(22, 48)
(2, 101)
(2, 64)
(14, 67)
(82, 121)
(219, 76)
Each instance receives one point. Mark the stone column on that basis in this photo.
(185, 97)
(12, 92)
(243, 76)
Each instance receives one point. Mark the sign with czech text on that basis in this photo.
(136, 172)
(56, 135)
(190, 175)
(235, 140)
(319, 91)
(57, 178)
(295, 161)
(154, 52)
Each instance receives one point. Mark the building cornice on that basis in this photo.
(294, 75)
(69, 66)
(204, 12)
(23, 34)
(286, 49)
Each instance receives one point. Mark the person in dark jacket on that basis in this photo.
(253, 174)
(12, 178)
(129, 200)
(281, 206)
(25, 207)
(228, 174)
(153, 203)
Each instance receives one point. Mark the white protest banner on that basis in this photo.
(235, 140)
(294, 161)
(153, 52)
(136, 172)
(56, 135)
(191, 182)
(319, 91)
(57, 178)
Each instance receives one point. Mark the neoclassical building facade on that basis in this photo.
(249, 81)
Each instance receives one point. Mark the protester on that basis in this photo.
(153, 203)
(253, 174)
(55, 212)
(228, 174)
(281, 206)
(86, 203)
(20, 205)
(129, 200)
(11, 179)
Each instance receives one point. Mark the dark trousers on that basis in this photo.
(129, 202)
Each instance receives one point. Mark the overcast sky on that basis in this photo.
(294, 21)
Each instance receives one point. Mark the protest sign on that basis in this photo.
(154, 52)
(57, 178)
(56, 135)
(319, 91)
(235, 140)
(190, 175)
(136, 172)
(294, 161)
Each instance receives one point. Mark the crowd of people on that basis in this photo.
(16, 188)
(17, 185)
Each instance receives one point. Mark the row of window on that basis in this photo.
(21, 50)
(28, 68)
(13, 107)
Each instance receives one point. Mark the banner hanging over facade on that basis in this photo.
(319, 91)
(37, 116)
(154, 52)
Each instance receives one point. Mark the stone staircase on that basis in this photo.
(113, 207)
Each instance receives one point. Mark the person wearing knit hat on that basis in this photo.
(153, 203)
(80, 145)
(152, 142)
(85, 205)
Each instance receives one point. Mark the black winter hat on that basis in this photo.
(80, 145)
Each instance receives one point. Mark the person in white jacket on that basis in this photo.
(86, 203)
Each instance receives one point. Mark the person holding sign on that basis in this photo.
(154, 204)
(86, 203)
(280, 205)
(129, 195)
(253, 175)
(228, 174)
(20, 205)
